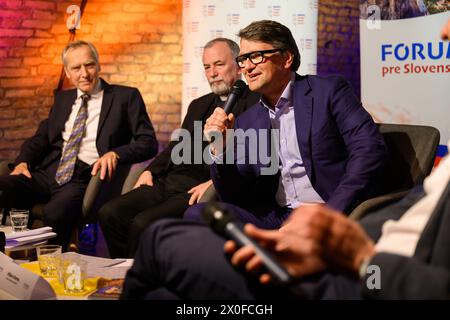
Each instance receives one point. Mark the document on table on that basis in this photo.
(16, 239)
(105, 267)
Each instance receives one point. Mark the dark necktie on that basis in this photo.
(70, 152)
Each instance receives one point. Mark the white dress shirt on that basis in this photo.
(294, 187)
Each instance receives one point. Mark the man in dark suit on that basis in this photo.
(330, 150)
(166, 189)
(399, 252)
(92, 128)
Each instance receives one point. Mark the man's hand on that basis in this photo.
(198, 191)
(21, 168)
(219, 121)
(300, 256)
(345, 243)
(145, 178)
(302, 221)
(107, 165)
(314, 237)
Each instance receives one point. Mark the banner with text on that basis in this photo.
(405, 66)
(204, 20)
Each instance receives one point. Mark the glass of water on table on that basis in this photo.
(19, 219)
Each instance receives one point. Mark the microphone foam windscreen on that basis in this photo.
(216, 216)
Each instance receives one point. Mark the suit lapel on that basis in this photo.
(244, 102)
(262, 120)
(203, 112)
(63, 110)
(303, 103)
(106, 105)
(425, 246)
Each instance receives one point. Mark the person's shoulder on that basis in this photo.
(206, 98)
(118, 88)
(321, 85)
(320, 81)
(121, 88)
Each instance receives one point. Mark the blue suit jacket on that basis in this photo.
(340, 145)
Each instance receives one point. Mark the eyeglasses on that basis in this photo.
(255, 57)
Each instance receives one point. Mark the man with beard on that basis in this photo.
(166, 189)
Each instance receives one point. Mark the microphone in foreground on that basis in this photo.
(235, 94)
(221, 221)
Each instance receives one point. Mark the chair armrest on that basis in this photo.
(209, 195)
(98, 192)
(133, 175)
(376, 203)
(91, 193)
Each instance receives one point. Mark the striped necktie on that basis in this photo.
(70, 152)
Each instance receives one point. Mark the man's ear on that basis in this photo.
(67, 73)
(289, 59)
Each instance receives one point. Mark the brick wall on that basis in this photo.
(139, 44)
(338, 40)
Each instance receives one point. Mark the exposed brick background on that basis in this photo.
(139, 43)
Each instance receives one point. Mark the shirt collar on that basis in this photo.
(286, 96)
(95, 93)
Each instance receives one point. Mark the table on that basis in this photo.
(25, 252)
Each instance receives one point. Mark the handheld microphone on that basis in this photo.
(221, 221)
(235, 94)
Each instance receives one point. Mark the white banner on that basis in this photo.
(204, 20)
(405, 69)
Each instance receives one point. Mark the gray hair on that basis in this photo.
(234, 47)
(274, 33)
(78, 44)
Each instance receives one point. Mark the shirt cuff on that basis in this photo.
(216, 158)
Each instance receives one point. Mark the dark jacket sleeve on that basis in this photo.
(408, 278)
(143, 144)
(365, 147)
(240, 182)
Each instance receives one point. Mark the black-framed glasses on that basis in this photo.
(255, 57)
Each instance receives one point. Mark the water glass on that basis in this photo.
(19, 219)
(49, 257)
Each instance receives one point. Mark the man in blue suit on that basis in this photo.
(330, 150)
